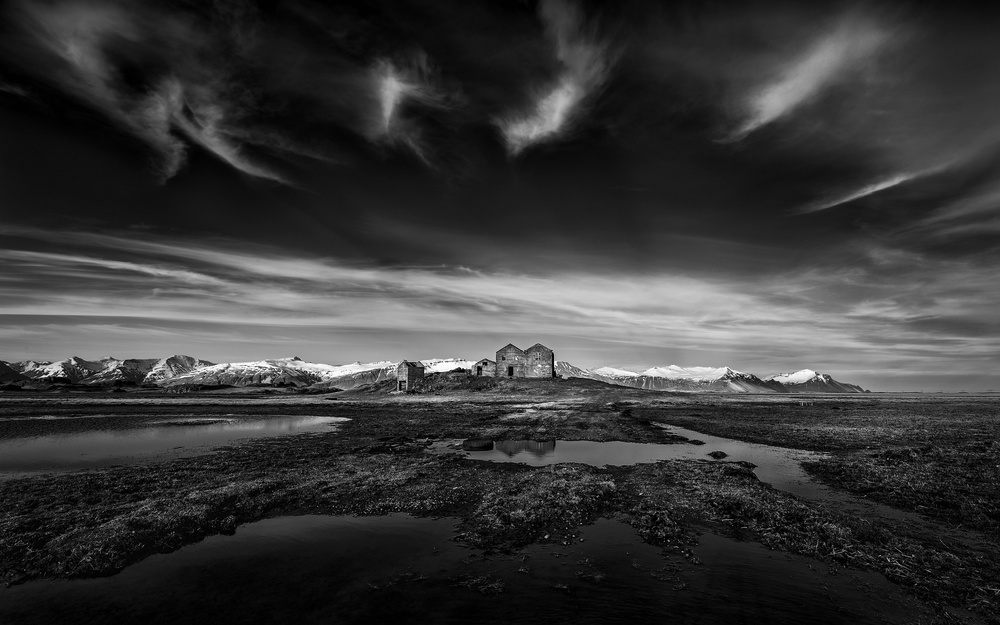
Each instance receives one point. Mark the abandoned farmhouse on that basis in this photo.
(537, 361)
(511, 361)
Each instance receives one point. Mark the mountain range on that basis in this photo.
(187, 372)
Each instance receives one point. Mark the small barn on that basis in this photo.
(484, 367)
(408, 375)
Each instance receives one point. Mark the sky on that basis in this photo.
(768, 186)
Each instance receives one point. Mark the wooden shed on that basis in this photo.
(485, 367)
(408, 375)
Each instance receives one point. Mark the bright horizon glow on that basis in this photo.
(174, 287)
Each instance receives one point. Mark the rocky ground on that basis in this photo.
(929, 456)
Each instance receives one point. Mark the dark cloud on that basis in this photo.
(822, 171)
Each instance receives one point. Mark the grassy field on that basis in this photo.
(935, 456)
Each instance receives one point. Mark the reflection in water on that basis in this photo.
(535, 448)
(161, 441)
(398, 569)
(477, 444)
(777, 466)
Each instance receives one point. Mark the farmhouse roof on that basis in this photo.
(537, 347)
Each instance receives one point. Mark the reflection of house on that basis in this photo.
(535, 448)
(537, 361)
(485, 367)
(408, 375)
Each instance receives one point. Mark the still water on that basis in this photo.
(323, 569)
(156, 440)
(777, 466)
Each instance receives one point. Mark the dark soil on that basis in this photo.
(99, 521)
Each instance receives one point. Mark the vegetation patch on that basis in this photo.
(97, 522)
(959, 484)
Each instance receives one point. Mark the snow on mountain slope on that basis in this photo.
(185, 370)
(798, 377)
(697, 374)
(275, 372)
(674, 378)
(809, 381)
(714, 379)
(567, 370)
(613, 372)
(173, 366)
(380, 371)
(73, 369)
(444, 365)
(29, 368)
(130, 370)
(107, 370)
(292, 371)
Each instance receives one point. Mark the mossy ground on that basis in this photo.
(97, 522)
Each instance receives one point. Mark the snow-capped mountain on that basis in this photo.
(444, 365)
(176, 365)
(567, 370)
(179, 370)
(297, 372)
(272, 372)
(115, 371)
(809, 381)
(358, 374)
(374, 372)
(674, 378)
(107, 370)
(73, 370)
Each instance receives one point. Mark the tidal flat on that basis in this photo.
(897, 520)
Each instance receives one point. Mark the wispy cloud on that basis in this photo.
(804, 78)
(865, 191)
(585, 65)
(14, 90)
(889, 313)
(398, 85)
(93, 39)
(43, 259)
(201, 117)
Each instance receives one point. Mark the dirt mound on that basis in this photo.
(461, 382)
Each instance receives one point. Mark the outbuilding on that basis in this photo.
(408, 375)
(484, 367)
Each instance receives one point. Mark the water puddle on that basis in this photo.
(163, 439)
(775, 465)
(321, 569)
(778, 466)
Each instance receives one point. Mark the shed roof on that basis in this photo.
(410, 363)
(538, 347)
(510, 345)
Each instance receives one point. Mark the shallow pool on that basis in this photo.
(400, 569)
(777, 466)
(162, 439)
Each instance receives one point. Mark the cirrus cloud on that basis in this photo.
(848, 47)
(585, 65)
